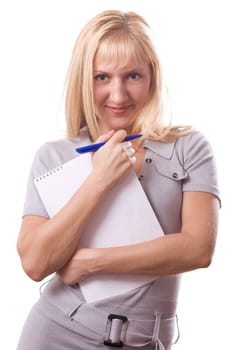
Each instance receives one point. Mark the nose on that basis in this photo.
(118, 92)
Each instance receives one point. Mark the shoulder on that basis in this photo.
(63, 149)
(54, 153)
(191, 158)
(185, 153)
(193, 142)
(193, 146)
(191, 139)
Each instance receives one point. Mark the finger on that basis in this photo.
(132, 159)
(105, 137)
(127, 144)
(130, 151)
(117, 137)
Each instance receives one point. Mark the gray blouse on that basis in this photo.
(186, 164)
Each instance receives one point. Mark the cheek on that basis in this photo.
(99, 95)
(143, 94)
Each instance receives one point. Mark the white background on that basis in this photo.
(36, 40)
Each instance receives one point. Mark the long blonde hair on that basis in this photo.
(126, 35)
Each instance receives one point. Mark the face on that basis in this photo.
(120, 91)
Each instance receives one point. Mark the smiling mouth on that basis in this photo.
(118, 110)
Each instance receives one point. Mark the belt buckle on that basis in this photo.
(114, 328)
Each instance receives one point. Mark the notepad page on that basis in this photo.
(57, 186)
(123, 217)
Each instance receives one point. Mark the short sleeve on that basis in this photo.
(33, 204)
(200, 164)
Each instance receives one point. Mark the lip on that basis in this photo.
(118, 110)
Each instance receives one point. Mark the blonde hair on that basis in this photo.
(126, 35)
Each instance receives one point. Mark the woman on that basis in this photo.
(114, 88)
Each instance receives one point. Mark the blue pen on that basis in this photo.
(95, 146)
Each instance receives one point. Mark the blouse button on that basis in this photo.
(140, 177)
(175, 176)
(148, 160)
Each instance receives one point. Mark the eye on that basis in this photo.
(134, 76)
(101, 77)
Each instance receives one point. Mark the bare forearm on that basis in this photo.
(189, 249)
(50, 245)
(171, 254)
(168, 255)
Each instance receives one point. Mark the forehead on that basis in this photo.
(107, 62)
(121, 54)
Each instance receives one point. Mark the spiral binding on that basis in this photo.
(49, 173)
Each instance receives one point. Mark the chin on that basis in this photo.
(121, 126)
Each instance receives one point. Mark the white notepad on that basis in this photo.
(123, 217)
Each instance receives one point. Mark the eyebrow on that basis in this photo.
(126, 70)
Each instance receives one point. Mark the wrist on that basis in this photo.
(97, 263)
(97, 183)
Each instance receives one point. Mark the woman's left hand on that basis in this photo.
(80, 266)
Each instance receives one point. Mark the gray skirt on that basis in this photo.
(61, 320)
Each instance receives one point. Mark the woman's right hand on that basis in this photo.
(111, 161)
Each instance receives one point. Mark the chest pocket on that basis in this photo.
(171, 170)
